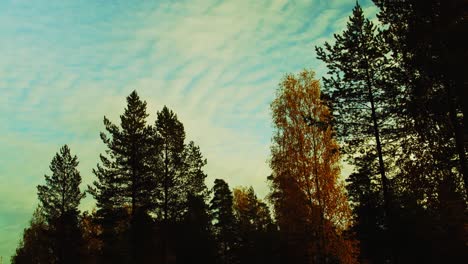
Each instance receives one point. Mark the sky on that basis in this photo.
(64, 65)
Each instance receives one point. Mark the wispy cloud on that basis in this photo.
(66, 64)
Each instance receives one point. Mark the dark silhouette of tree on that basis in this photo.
(426, 38)
(61, 194)
(125, 185)
(362, 96)
(170, 167)
(254, 228)
(428, 53)
(365, 194)
(35, 246)
(91, 231)
(59, 198)
(224, 221)
(178, 172)
(196, 243)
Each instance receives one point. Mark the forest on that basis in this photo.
(392, 105)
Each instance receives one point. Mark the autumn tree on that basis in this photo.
(305, 163)
(224, 221)
(59, 198)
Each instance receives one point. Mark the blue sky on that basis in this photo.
(66, 64)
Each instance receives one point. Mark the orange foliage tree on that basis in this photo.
(309, 198)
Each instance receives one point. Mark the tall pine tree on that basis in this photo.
(59, 198)
(177, 169)
(125, 185)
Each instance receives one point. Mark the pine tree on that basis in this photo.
(61, 194)
(225, 222)
(177, 169)
(125, 183)
(426, 39)
(59, 198)
(361, 93)
(123, 177)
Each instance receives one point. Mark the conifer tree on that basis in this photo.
(177, 170)
(426, 39)
(59, 198)
(177, 167)
(362, 94)
(123, 177)
(225, 222)
(125, 185)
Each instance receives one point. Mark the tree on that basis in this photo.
(196, 243)
(305, 164)
(427, 48)
(254, 228)
(61, 194)
(125, 183)
(364, 191)
(363, 97)
(35, 246)
(426, 40)
(177, 169)
(225, 222)
(91, 231)
(60, 197)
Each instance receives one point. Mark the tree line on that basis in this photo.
(392, 105)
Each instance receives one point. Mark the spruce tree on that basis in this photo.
(59, 198)
(225, 222)
(123, 177)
